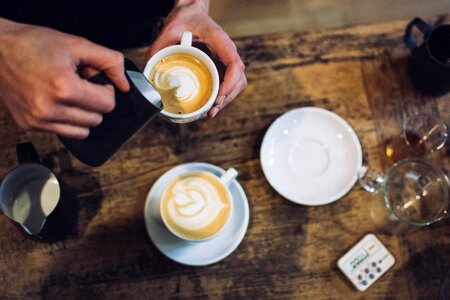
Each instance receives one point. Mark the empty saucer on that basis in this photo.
(311, 156)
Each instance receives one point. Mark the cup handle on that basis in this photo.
(26, 153)
(421, 25)
(186, 39)
(370, 179)
(228, 176)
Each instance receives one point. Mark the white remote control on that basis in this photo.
(366, 262)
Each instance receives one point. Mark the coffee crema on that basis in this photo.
(183, 81)
(195, 206)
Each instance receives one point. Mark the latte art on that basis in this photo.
(178, 80)
(183, 81)
(195, 206)
(195, 203)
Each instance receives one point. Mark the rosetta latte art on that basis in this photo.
(183, 81)
(196, 203)
(195, 206)
(178, 80)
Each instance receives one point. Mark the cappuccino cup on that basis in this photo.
(197, 205)
(186, 78)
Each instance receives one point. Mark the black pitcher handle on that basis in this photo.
(100, 78)
(421, 25)
(27, 154)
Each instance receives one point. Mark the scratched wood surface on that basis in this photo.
(289, 251)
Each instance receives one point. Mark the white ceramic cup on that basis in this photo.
(186, 47)
(166, 179)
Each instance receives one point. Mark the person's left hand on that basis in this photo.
(193, 16)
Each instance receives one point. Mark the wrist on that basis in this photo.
(203, 4)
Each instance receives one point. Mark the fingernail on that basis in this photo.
(220, 100)
(214, 112)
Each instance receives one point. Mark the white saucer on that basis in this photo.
(196, 253)
(311, 156)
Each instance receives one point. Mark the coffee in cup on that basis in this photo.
(183, 81)
(196, 206)
(186, 78)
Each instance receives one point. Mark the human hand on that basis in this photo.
(43, 76)
(193, 16)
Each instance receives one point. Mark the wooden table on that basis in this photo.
(290, 251)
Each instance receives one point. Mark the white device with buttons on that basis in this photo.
(366, 262)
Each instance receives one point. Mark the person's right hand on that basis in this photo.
(43, 79)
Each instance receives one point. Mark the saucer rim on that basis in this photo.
(238, 235)
(356, 144)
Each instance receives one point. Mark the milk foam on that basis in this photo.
(183, 81)
(195, 203)
(179, 79)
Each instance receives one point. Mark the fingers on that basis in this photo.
(77, 103)
(72, 90)
(224, 100)
(67, 130)
(233, 83)
(30, 122)
(234, 80)
(65, 120)
(73, 115)
(108, 61)
(57, 99)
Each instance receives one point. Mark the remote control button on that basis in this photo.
(367, 271)
(374, 264)
(372, 276)
(360, 277)
(378, 270)
(364, 282)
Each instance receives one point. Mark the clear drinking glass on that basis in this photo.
(421, 134)
(412, 192)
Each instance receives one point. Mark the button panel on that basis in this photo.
(366, 262)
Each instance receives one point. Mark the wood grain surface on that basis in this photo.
(289, 251)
